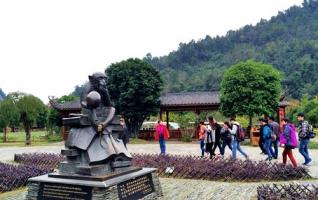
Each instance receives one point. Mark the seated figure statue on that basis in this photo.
(93, 146)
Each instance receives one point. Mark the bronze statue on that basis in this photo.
(93, 146)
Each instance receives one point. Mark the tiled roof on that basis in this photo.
(67, 106)
(190, 98)
(167, 100)
(195, 98)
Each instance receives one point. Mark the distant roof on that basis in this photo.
(67, 106)
(204, 100)
(190, 98)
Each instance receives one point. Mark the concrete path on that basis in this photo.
(177, 189)
(7, 153)
(186, 189)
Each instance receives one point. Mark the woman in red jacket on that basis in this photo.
(161, 135)
(202, 136)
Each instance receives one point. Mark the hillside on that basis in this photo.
(288, 41)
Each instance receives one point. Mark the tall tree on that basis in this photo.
(250, 88)
(134, 86)
(30, 108)
(79, 89)
(9, 115)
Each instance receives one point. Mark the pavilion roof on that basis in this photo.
(182, 99)
(190, 98)
(66, 106)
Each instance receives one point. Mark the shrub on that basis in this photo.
(12, 176)
(43, 160)
(291, 191)
(193, 167)
(187, 134)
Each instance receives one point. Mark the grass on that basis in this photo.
(41, 138)
(137, 141)
(38, 138)
(312, 144)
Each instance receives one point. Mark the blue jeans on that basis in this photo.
(275, 143)
(303, 149)
(162, 143)
(202, 147)
(224, 144)
(236, 146)
(268, 147)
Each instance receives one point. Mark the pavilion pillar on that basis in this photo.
(197, 112)
(160, 114)
(280, 115)
(167, 118)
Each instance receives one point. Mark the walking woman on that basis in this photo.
(217, 137)
(202, 133)
(226, 137)
(289, 140)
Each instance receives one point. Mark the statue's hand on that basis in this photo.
(100, 128)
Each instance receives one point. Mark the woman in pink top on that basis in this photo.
(161, 135)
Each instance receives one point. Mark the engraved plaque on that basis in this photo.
(136, 188)
(55, 191)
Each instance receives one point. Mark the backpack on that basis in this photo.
(226, 135)
(311, 134)
(293, 136)
(273, 135)
(240, 134)
(268, 134)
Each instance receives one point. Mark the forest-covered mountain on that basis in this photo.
(2, 95)
(288, 41)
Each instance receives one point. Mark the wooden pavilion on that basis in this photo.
(170, 102)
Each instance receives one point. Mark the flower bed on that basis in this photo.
(43, 160)
(14, 176)
(192, 167)
(285, 192)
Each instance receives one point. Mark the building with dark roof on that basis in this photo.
(170, 102)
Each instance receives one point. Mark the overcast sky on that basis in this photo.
(48, 47)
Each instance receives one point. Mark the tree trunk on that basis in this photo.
(27, 135)
(250, 125)
(133, 125)
(5, 134)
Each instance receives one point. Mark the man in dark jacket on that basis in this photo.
(303, 134)
(261, 140)
(275, 128)
(217, 137)
(124, 136)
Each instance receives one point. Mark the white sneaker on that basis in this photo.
(310, 163)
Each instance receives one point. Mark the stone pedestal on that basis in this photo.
(141, 184)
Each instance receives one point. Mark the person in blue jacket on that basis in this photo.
(267, 138)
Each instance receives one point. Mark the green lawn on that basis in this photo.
(312, 144)
(41, 138)
(37, 137)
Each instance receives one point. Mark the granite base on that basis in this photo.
(143, 184)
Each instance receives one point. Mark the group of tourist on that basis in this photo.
(214, 135)
(272, 135)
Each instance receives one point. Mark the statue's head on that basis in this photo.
(97, 79)
(93, 99)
